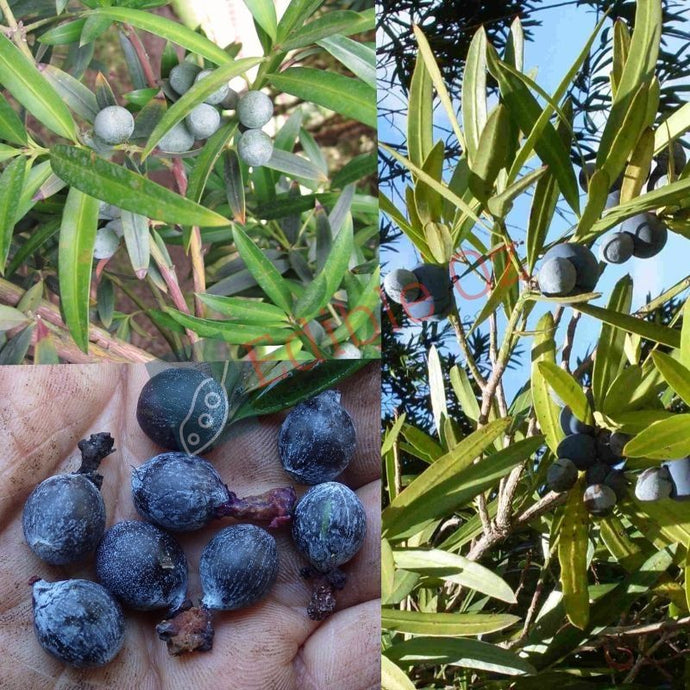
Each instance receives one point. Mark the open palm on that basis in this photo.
(45, 411)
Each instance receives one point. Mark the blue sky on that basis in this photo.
(555, 45)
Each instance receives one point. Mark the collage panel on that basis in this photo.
(534, 185)
(188, 182)
(129, 561)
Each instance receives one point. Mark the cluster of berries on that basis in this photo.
(425, 292)
(596, 452)
(141, 565)
(114, 124)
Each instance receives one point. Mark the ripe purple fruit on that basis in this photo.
(561, 475)
(178, 492)
(329, 525)
(571, 424)
(238, 567)
(183, 409)
(144, 567)
(615, 479)
(435, 298)
(580, 448)
(317, 439)
(586, 264)
(617, 248)
(401, 286)
(78, 622)
(599, 499)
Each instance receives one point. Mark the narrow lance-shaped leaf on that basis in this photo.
(11, 127)
(264, 14)
(492, 153)
(544, 350)
(474, 109)
(445, 624)
(115, 184)
(667, 439)
(358, 58)
(75, 256)
(11, 184)
(136, 231)
(335, 22)
(23, 80)
(567, 389)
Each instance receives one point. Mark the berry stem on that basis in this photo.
(93, 450)
(325, 585)
(275, 506)
(188, 630)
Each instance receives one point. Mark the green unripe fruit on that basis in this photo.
(218, 95)
(182, 77)
(203, 121)
(177, 140)
(254, 109)
(255, 147)
(106, 243)
(114, 124)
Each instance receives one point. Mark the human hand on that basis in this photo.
(45, 411)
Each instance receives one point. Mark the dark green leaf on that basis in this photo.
(11, 184)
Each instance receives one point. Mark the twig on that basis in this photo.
(17, 33)
(456, 323)
(569, 339)
(104, 346)
(682, 624)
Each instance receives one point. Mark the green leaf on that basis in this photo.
(357, 57)
(334, 22)
(196, 95)
(572, 557)
(364, 312)
(11, 318)
(540, 216)
(77, 96)
(437, 392)
(638, 168)
(567, 389)
(464, 392)
(675, 374)
(295, 166)
(393, 677)
(265, 273)
(474, 108)
(248, 311)
(11, 185)
(492, 153)
(452, 624)
(115, 184)
(16, 348)
(501, 204)
(206, 160)
(420, 115)
(391, 436)
(296, 14)
(610, 358)
(667, 439)
(461, 652)
(23, 80)
(264, 13)
(249, 335)
(652, 331)
(11, 127)
(68, 32)
(453, 480)
(685, 335)
(166, 28)
(438, 81)
(75, 255)
(454, 568)
(544, 350)
(137, 240)
(350, 97)
(526, 111)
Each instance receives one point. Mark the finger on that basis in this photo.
(343, 653)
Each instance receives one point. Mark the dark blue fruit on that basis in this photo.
(561, 475)
(435, 293)
(615, 479)
(597, 473)
(654, 484)
(617, 442)
(78, 622)
(649, 234)
(238, 567)
(580, 448)
(617, 248)
(317, 439)
(599, 499)
(64, 518)
(329, 525)
(183, 409)
(571, 424)
(144, 567)
(178, 492)
(606, 452)
(401, 286)
(557, 277)
(680, 476)
(586, 264)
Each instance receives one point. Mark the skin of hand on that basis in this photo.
(45, 411)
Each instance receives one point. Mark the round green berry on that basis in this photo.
(182, 77)
(218, 95)
(255, 147)
(176, 140)
(203, 121)
(106, 243)
(114, 124)
(254, 109)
